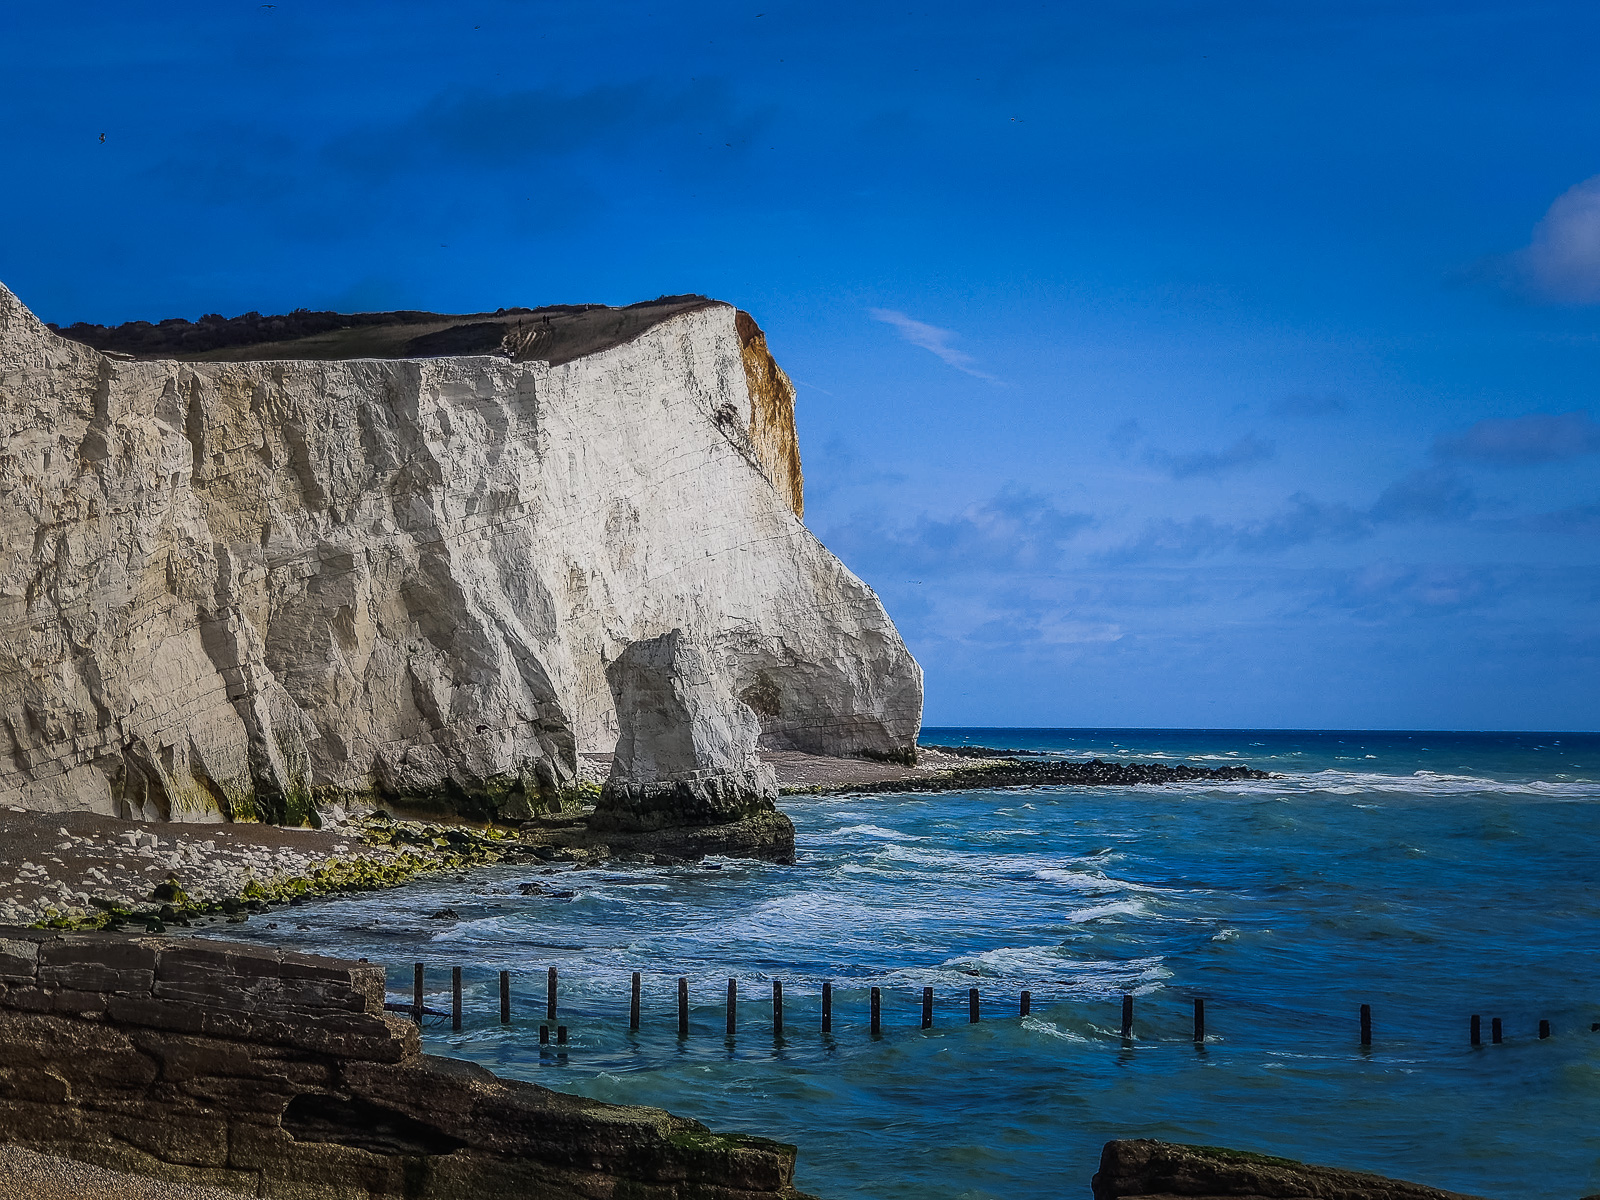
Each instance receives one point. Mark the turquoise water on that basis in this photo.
(1431, 876)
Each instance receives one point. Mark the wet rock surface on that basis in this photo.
(279, 1074)
(1142, 1169)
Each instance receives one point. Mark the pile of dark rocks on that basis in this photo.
(1036, 772)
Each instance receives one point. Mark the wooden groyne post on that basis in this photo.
(1477, 1030)
(1366, 1024)
(777, 1008)
(972, 1006)
(633, 1005)
(1025, 1006)
(416, 994)
(1496, 1031)
(827, 1006)
(455, 998)
(733, 1005)
(505, 997)
(550, 996)
(683, 1007)
(927, 1008)
(1199, 1021)
(877, 1013)
(1127, 1015)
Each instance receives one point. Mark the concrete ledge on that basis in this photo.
(280, 1075)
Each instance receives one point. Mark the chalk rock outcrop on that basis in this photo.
(245, 588)
(686, 779)
(687, 754)
(270, 1073)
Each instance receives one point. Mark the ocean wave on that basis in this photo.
(1053, 971)
(877, 831)
(1332, 781)
(1099, 912)
(1089, 881)
(1051, 1029)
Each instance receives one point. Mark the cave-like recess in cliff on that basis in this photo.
(556, 333)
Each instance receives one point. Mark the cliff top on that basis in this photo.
(557, 333)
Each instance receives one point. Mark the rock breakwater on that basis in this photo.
(1035, 772)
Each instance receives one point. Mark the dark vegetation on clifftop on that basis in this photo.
(556, 333)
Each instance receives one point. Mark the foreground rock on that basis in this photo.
(254, 589)
(279, 1074)
(1130, 1170)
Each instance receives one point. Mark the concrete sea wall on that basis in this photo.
(279, 1074)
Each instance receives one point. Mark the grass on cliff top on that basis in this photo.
(556, 334)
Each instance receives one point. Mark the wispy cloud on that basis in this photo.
(1385, 590)
(1245, 452)
(1524, 441)
(1304, 520)
(1431, 494)
(932, 339)
(1562, 262)
(1580, 520)
(1014, 530)
(1309, 404)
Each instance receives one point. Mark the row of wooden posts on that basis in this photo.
(1024, 1006)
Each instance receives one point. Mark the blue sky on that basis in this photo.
(1159, 363)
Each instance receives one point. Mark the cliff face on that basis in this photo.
(244, 587)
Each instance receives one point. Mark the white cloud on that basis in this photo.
(932, 339)
(1563, 260)
(1062, 631)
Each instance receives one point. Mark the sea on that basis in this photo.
(1428, 876)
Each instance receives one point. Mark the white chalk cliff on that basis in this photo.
(249, 588)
